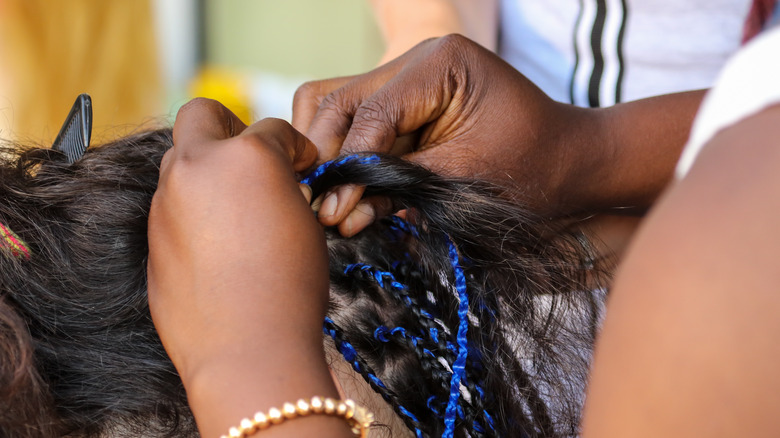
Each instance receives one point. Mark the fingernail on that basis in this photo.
(329, 205)
(317, 204)
(306, 190)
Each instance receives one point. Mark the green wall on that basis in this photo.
(298, 38)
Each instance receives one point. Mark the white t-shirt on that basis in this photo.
(600, 52)
(749, 83)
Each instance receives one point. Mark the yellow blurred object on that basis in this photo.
(229, 87)
(51, 51)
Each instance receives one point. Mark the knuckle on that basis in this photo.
(274, 125)
(335, 114)
(372, 124)
(275, 131)
(375, 115)
(453, 43)
(199, 104)
(335, 102)
(307, 92)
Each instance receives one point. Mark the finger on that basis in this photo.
(333, 117)
(331, 122)
(317, 204)
(306, 190)
(405, 104)
(365, 213)
(338, 203)
(201, 120)
(302, 152)
(308, 98)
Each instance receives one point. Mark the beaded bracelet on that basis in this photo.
(358, 417)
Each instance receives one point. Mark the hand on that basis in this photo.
(237, 263)
(460, 110)
(466, 111)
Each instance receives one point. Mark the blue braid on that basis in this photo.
(348, 351)
(381, 332)
(404, 226)
(386, 280)
(464, 352)
(459, 366)
(365, 159)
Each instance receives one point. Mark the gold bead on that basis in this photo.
(350, 409)
(261, 421)
(363, 416)
(330, 406)
(302, 407)
(275, 416)
(288, 410)
(247, 427)
(358, 418)
(317, 405)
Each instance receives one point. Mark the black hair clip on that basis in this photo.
(75, 133)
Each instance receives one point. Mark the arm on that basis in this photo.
(229, 246)
(689, 345)
(636, 144)
(405, 23)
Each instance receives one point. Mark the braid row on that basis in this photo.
(359, 365)
(428, 345)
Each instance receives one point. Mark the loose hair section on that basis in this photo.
(79, 355)
(534, 302)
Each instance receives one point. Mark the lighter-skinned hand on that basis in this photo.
(232, 241)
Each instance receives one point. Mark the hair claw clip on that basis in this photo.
(75, 133)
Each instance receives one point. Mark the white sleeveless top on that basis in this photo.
(749, 83)
(601, 52)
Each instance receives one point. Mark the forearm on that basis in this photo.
(404, 23)
(624, 156)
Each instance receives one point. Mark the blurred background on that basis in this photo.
(140, 60)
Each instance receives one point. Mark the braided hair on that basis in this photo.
(473, 318)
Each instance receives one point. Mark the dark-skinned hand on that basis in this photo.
(460, 110)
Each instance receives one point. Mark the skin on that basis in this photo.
(404, 23)
(689, 344)
(231, 241)
(460, 110)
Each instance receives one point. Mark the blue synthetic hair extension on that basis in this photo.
(335, 164)
(459, 367)
(350, 355)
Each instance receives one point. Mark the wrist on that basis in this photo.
(585, 150)
(230, 387)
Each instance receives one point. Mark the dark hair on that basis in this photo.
(477, 285)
